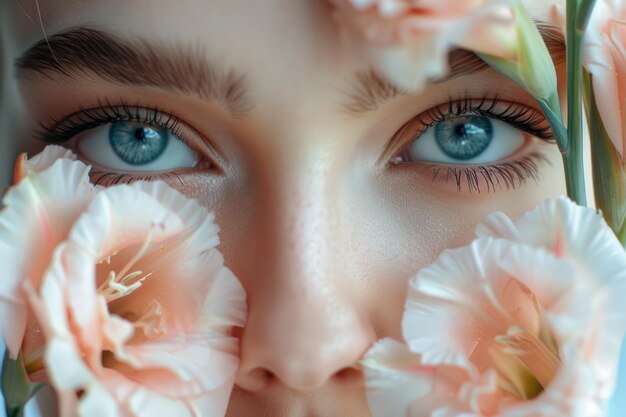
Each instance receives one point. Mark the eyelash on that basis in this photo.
(517, 115)
(512, 174)
(62, 129)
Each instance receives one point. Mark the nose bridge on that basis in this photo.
(303, 326)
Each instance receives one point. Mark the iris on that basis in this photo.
(138, 144)
(464, 137)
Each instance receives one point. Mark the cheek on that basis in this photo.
(396, 224)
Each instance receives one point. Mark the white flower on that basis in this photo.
(525, 321)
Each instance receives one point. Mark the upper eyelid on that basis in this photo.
(522, 112)
(62, 128)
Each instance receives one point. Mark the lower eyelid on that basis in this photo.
(108, 178)
(478, 179)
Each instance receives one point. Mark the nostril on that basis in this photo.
(296, 377)
(255, 379)
(348, 375)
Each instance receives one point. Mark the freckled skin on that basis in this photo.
(323, 234)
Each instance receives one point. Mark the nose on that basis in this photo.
(306, 324)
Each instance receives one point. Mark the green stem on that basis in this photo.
(16, 386)
(15, 412)
(609, 178)
(556, 123)
(573, 152)
(583, 13)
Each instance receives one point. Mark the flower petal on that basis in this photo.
(42, 161)
(178, 366)
(39, 212)
(90, 305)
(581, 237)
(134, 400)
(395, 378)
(225, 305)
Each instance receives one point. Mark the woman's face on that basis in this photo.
(331, 187)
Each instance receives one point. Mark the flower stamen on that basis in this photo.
(525, 364)
(118, 285)
(151, 321)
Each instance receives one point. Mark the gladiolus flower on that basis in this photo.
(39, 212)
(525, 321)
(605, 60)
(134, 303)
(408, 41)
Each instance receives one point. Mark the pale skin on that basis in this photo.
(317, 221)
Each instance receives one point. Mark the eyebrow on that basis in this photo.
(372, 89)
(84, 52)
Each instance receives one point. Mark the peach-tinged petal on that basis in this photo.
(588, 244)
(97, 402)
(213, 404)
(451, 335)
(396, 377)
(605, 64)
(70, 375)
(134, 400)
(144, 403)
(43, 160)
(605, 60)
(126, 293)
(572, 393)
(111, 223)
(408, 41)
(186, 365)
(399, 383)
(225, 305)
(531, 313)
(448, 300)
(39, 212)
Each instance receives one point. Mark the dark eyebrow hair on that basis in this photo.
(85, 52)
(372, 89)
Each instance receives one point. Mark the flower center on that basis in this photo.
(123, 283)
(525, 364)
(525, 356)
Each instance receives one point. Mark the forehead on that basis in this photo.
(299, 33)
(201, 15)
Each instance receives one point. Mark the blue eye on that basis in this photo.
(129, 146)
(469, 139)
(137, 144)
(464, 137)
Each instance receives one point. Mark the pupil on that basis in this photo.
(461, 130)
(140, 134)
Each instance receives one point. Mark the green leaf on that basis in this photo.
(16, 387)
(609, 179)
